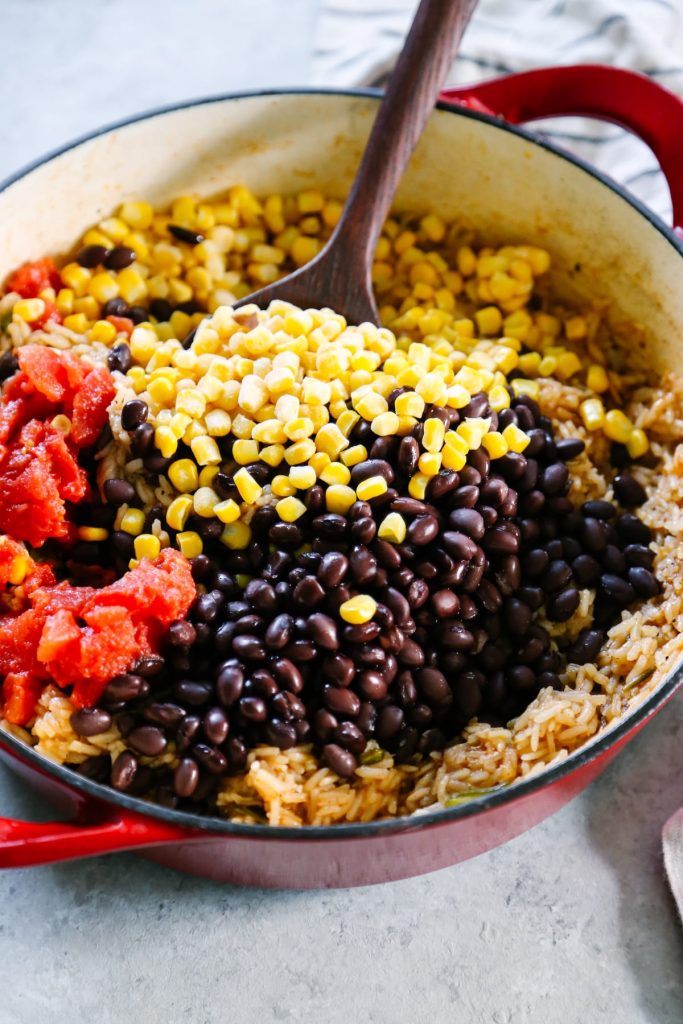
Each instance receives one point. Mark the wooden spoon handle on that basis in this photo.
(415, 83)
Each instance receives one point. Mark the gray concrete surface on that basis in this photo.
(570, 923)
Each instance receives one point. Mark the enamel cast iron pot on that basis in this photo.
(606, 248)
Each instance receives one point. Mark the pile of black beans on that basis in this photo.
(456, 632)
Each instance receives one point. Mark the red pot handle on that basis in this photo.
(623, 97)
(24, 844)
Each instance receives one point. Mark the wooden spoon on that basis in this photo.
(339, 277)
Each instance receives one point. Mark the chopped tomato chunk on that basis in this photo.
(83, 637)
(20, 694)
(32, 278)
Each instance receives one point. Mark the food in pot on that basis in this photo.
(268, 565)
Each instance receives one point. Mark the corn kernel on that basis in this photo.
(218, 423)
(290, 509)
(28, 309)
(299, 429)
(489, 320)
(495, 444)
(103, 287)
(330, 440)
(358, 610)
(76, 278)
(515, 438)
(204, 500)
(166, 441)
(133, 521)
(525, 387)
(410, 404)
(131, 285)
(227, 511)
(372, 487)
(192, 402)
(190, 544)
(272, 455)
(417, 486)
(236, 536)
(178, 511)
(429, 463)
(301, 452)
(245, 451)
(147, 545)
(385, 424)
(637, 444)
(335, 473)
(137, 214)
(282, 486)
(432, 389)
(433, 436)
(567, 365)
(457, 396)
(575, 328)
(347, 421)
(592, 413)
(302, 477)
(184, 475)
(205, 450)
(618, 426)
(18, 570)
(61, 423)
(452, 459)
(597, 379)
(499, 398)
(253, 393)
(371, 405)
(472, 432)
(92, 534)
(77, 322)
(352, 456)
(207, 475)
(249, 489)
(339, 498)
(392, 528)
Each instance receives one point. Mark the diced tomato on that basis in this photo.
(122, 323)
(90, 404)
(38, 473)
(49, 315)
(83, 636)
(20, 694)
(32, 278)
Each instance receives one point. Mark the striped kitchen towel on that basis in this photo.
(358, 40)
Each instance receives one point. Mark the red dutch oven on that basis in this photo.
(606, 248)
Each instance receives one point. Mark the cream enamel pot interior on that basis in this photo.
(605, 248)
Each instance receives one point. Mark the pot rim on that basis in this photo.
(591, 750)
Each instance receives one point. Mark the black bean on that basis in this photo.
(212, 760)
(643, 582)
(434, 685)
(187, 730)
(502, 540)
(161, 310)
(586, 647)
(633, 530)
(124, 688)
(143, 440)
(215, 725)
(554, 478)
(339, 760)
(119, 492)
(628, 491)
(586, 569)
(594, 534)
(372, 686)
(340, 669)
(330, 525)
(185, 234)
(517, 615)
(617, 588)
(459, 545)
(150, 666)
(535, 562)
(186, 777)
(445, 603)
(371, 467)
(569, 448)
(467, 694)
(613, 560)
(119, 257)
(521, 677)
(148, 740)
(124, 770)
(408, 455)
(90, 721)
(350, 737)
(134, 413)
(341, 701)
(249, 647)
(165, 714)
(455, 637)
(323, 631)
(193, 693)
(598, 509)
(423, 530)
(281, 734)
(533, 596)
(287, 534)
(562, 606)
(638, 554)
(309, 591)
(9, 364)
(557, 576)
(91, 256)
(446, 481)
